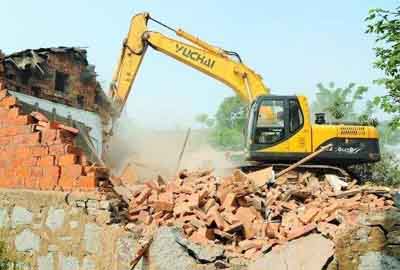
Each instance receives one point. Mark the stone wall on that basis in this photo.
(374, 243)
(66, 231)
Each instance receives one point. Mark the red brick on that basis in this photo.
(295, 233)
(163, 206)
(39, 151)
(13, 113)
(57, 149)
(5, 182)
(87, 183)
(3, 132)
(51, 172)
(27, 129)
(68, 159)
(11, 131)
(29, 139)
(49, 136)
(5, 140)
(23, 171)
(39, 116)
(69, 129)
(3, 92)
(17, 182)
(31, 183)
(229, 200)
(66, 183)
(84, 160)
(36, 171)
(248, 244)
(14, 163)
(23, 152)
(47, 183)
(30, 162)
(45, 124)
(202, 235)
(71, 171)
(8, 102)
(218, 220)
(10, 151)
(244, 214)
(46, 161)
(234, 227)
(70, 149)
(23, 120)
(144, 194)
(273, 230)
(309, 214)
(3, 112)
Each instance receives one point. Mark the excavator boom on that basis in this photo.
(196, 53)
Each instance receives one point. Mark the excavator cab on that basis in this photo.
(280, 130)
(273, 119)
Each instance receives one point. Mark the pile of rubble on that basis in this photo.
(247, 215)
(37, 153)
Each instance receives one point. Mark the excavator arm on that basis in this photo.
(214, 62)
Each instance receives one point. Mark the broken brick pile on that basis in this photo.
(36, 153)
(247, 216)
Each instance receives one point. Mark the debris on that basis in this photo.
(204, 254)
(307, 158)
(247, 218)
(335, 182)
(143, 247)
(262, 177)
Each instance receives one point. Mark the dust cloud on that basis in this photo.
(156, 152)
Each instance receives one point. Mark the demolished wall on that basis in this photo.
(62, 75)
(38, 153)
(62, 84)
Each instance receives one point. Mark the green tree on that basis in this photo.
(385, 25)
(227, 125)
(338, 103)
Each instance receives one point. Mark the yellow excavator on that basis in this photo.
(279, 128)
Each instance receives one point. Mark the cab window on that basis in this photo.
(295, 116)
(270, 125)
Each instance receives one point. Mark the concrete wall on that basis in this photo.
(56, 230)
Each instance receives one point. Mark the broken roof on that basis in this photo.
(33, 57)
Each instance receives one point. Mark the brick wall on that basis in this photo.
(36, 153)
(34, 72)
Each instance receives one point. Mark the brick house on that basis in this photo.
(61, 84)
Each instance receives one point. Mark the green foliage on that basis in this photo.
(387, 171)
(338, 103)
(385, 25)
(227, 125)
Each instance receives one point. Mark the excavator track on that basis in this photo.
(315, 168)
